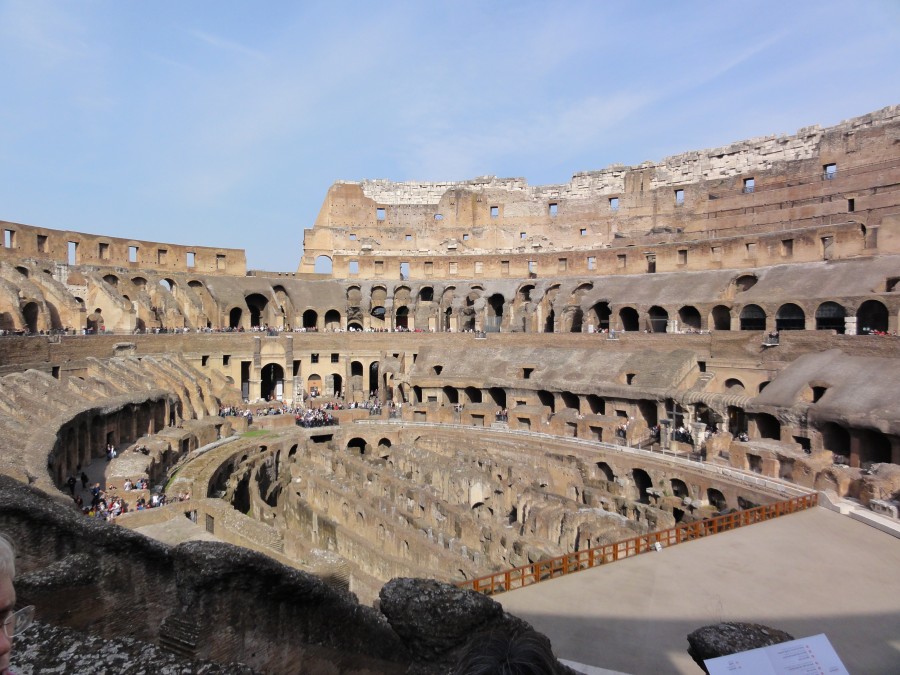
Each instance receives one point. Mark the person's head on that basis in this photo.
(527, 653)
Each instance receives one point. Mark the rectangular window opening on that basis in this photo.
(592, 262)
(335, 358)
(504, 267)
(42, 243)
(526, 373)
(682, 256)
(495, 212)
(354, 267)
(9, 239)
(851, 205)
(829, 171)
(563, 264)
(380, 213)
(787, 247)
(453, 267)
(204, 360)
(613, 203)
(161, 255)
(313, 358)
(379, 268)
(296, 369)
(226, 359)
(404, 271)
(620, 261)
(429, 268)
(73, 253)
(408, 237)
(679, 197)
(220, 261)
(583, 231)
(522, 235)
(191, 259)
(465, 237)
(352, 237)
(749, 185)
(751, 249)
(554, 209)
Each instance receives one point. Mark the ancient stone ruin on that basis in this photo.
(511, 373)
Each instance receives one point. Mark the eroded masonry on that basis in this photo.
(515, 372)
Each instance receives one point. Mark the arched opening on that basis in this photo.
(745, 282)
(734, 386)
(332, 320)
(628, 318)
(234, 317)
(830, 316)
(22, 270)
(836, 439)
(753, 318)
(550, 321)
(658, 318)
(874, 447)
(357, 444)
(426, 294)
(374, 384)
(112, 280)
(606, 470)
(689, 317)
(602, 312)
(257, 304)
(337, 385)
(872, 317)
(473, 394)
(716, 499)
(354, 326)
(356, 369)
(768, 426)
(596, 404)
(494, 316)
(314, 385)
(402, 317)
(310, 319)
(271, 386)
(95, 321)
(642, 483)
(323, 265)
(451, 396)
(30, 313)
(721, 317)
(547, 399)
(679, 488)
(570, 401)
(577, 320)
(498, 396)
(649, 412)
(790, 317)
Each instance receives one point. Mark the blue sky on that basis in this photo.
(223, 123)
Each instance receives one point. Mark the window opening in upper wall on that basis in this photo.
(191, 259)
(9, 238)
(787, 247)
(352, 237)
(354, 267)
(829, 171)
(495, 212)
(851, 205)
(465, 237)
(592, 262)
(522, 235)
(583, 231)
(554, 209)
(73, 253)
(42, 243)
(220, 261)
(161, 255)
(679, 197)
(613, 203)
(749, 184)
(132, 254)
(408, 237)
(404, 271)
(380, 214)
(682, 256)
(438, 216)
(103, 251)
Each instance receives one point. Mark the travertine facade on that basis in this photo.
(589, 314)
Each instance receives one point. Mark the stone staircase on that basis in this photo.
(179, 636)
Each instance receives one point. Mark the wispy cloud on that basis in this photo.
(227, 45)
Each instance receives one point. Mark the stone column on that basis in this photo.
(855, 448)
(849, 325)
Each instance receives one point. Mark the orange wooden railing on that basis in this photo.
(517, 577)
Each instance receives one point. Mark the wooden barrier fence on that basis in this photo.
(526, 575)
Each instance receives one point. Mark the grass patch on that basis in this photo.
(256, 433)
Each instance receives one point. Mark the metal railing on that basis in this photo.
(526, 575)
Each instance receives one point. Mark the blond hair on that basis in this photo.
(7, 557)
